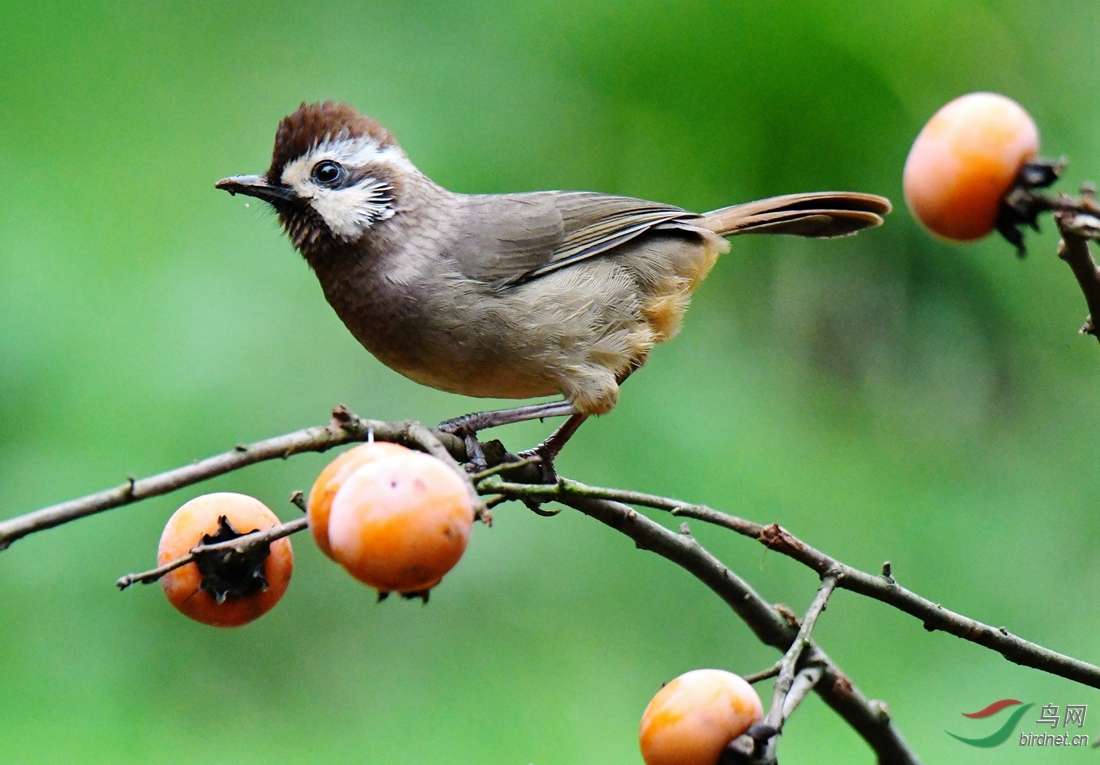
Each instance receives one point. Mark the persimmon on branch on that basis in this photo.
(974, 169)
(775, 626)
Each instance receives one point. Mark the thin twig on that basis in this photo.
(242, 544)
(1077, 218)
(426, 440)
(504, 467)
(804, 682)
(932, 615)
(762, 675)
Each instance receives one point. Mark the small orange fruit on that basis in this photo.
(692, 719)
(964, 161)
(235, 591)
(319, 504)
(400, 523)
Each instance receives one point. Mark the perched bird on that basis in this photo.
(503, 295)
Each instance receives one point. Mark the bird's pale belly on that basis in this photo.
(481, 383)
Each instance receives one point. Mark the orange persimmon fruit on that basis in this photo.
(964, 162)
(238, 590)
(694, 717)
(400, 523)
(319, 504)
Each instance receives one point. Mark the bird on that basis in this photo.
(513, 296)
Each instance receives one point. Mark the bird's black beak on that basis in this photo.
(257, 186)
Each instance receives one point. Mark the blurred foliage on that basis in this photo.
(888, 396)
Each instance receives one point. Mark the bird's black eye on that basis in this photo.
(328, 172)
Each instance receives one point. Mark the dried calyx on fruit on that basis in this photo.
(232, 573)
(1023, 203)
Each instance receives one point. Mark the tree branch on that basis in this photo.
(868, 718)
(933, 615)
(811, 667)
(1077, 218)
(344, 428)
(764, 674)
(804, 682)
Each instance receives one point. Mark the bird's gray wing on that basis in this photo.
(508, 239)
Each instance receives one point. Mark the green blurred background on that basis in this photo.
(887, 396)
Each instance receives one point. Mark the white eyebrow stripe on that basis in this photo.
(360, 151)
(352, 152)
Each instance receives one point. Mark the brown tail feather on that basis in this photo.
(821, 215)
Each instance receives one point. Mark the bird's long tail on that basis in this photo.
(821, 215)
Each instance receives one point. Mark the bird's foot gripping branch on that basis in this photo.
(418, 476)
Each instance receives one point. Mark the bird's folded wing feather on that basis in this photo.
(511, 238)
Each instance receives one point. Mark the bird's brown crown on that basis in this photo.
(313, 124)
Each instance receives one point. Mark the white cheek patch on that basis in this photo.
(351, 210)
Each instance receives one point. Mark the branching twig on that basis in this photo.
(242, 545)
(503, 466)
(777, 715)
(1077, 218)
(804, 682)
(933, 615)
(782, 703)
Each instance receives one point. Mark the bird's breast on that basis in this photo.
(434, 326)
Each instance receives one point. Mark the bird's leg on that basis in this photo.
(472, 423)
(549, 449)
(468, 425)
